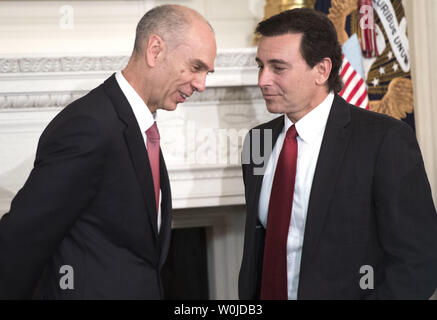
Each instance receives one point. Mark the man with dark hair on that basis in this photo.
(93, 220)
(343, 208)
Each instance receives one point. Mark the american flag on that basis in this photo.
(354, 90)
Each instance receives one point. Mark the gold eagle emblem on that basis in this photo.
(398, 98)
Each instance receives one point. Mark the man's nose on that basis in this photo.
(264, 78)
(199, 82)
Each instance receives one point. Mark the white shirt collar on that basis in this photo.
(313, 124)
(142, 113)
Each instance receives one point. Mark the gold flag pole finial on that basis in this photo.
(273, 7)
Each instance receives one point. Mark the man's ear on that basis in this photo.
(154, 50)
(323, 70)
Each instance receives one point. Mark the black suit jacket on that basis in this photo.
(88, 203)
(370, 204)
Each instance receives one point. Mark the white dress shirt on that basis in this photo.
(310, 131)
(143, 115)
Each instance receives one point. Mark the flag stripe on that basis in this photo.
(361, 99)
(349, 79)
(354, 90)
(350, 87)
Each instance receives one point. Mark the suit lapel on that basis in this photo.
(135, 143)
(334, 144)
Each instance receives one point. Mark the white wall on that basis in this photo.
(108, 27)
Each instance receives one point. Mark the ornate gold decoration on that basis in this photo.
(393, 82)
(390, 80)
(398, 101)
(273, 7)
(338, 12)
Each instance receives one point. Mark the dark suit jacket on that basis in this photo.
(370, 204)
(88, 203)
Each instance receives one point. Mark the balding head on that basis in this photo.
(174, 50)
(170, 22)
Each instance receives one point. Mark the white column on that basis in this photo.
(422, 30)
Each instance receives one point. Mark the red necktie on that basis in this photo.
(274, 274)
(153, 153)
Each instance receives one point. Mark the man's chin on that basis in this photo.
(274, 107)
(171, 107)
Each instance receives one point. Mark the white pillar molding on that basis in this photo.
(422, 30)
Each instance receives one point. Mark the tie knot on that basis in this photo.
(291, 132)
(153, 132)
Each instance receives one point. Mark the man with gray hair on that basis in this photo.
(93, 220)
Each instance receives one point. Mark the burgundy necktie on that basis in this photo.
(274, 274)
(153, 153)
